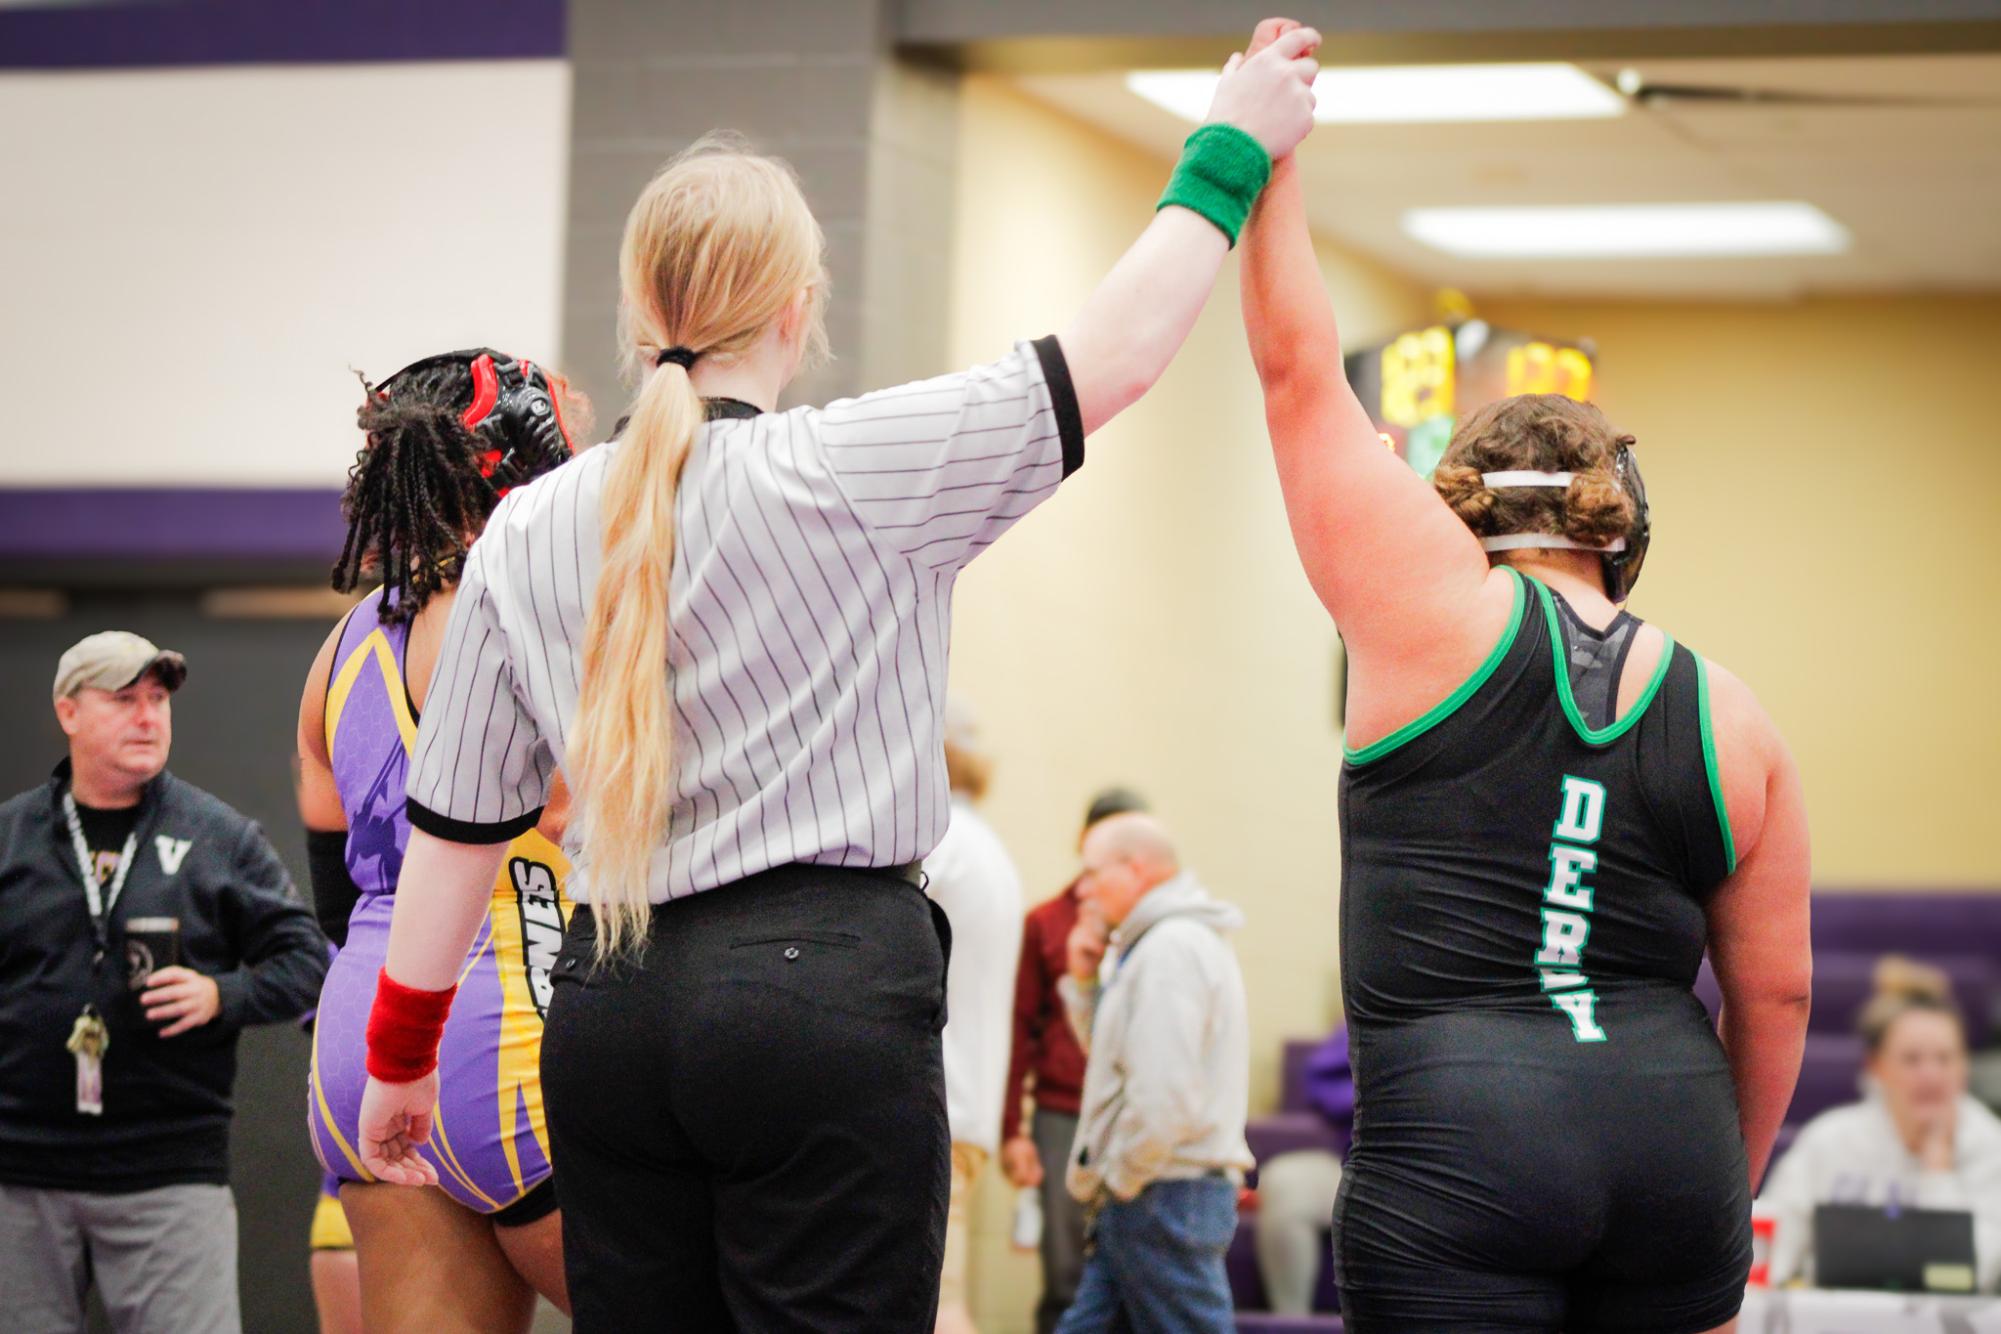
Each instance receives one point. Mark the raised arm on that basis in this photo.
(1136, 320)
(940, 469)
(1759, 938)
(1385, 555)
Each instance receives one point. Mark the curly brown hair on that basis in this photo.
(1537, 433)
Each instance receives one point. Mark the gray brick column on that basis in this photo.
(812, 81)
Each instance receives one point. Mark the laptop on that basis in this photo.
(1895, 1249)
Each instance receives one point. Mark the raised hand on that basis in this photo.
(1269, 94)
(1268, 32)
(1085, 948)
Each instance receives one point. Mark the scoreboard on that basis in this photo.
(1419, 385)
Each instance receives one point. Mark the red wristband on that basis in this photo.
(404, 1029)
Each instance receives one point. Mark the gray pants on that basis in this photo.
(1062, 1219)
(164, 1260)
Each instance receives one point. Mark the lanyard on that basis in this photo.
(101, 900)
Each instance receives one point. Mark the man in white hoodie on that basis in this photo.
(1160, 1152)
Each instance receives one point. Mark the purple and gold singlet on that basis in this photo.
(488, 1139)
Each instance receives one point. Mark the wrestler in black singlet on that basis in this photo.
(1546, 1131)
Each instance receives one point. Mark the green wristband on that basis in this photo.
(1221, 171)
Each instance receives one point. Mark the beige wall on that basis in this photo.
(1822, 475)
(1149, 624)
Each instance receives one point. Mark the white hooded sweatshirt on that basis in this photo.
(1167, 1037)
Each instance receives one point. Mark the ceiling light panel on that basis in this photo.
(1627, 231)
(1412, 94)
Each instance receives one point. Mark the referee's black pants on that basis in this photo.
(748, 1120)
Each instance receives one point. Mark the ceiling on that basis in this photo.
(1916, 178)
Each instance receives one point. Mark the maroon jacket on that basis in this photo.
(1043, 1043)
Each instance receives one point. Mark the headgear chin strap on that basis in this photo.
(513, 414)
(1619, 560)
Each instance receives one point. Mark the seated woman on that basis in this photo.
(1916, 1138)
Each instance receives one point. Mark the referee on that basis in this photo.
(729, 628)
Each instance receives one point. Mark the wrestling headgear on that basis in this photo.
(1619, 561)
(513, 413)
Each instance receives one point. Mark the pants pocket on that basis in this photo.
(782, 940)
(1198, 1216)
(882, 964)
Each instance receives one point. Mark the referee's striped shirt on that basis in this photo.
(815, 552)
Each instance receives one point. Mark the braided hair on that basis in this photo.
(415, 496)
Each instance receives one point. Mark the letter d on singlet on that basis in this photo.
(1583, 815)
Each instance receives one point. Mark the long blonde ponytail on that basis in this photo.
(718, 247)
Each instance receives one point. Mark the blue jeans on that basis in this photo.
(1156, 1263)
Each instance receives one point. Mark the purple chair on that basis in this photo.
(1843, 981)
(1830, 1075)
(1240, 1262)
(1287, 1132)
(1316, 1101)
(1919, 923)
(1249, 1322)
(1292, 1062)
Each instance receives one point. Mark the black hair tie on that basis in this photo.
(680, 356)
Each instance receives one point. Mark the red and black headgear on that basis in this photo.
(515, 414)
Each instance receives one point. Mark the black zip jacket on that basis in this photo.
(167, 1101)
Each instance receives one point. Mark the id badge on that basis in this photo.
(89, 1084)
(88, 1038)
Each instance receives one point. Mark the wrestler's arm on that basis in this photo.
(1388, 559)
(1759, 939)
(320, 808)
(1139, 315)
(441, 895)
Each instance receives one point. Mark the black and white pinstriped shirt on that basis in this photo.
(810, 611)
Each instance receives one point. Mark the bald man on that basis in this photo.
(1157, 1000)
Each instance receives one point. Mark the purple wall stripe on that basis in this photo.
(225, 523)
(122, 34)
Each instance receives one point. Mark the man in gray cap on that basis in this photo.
(143, 925)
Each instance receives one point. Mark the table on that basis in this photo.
(1836, 1311)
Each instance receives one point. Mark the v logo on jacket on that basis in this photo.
(172, 851)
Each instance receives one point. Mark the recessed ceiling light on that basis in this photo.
(1621, 231)
(1412, 93)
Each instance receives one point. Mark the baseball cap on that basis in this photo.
(114, 659)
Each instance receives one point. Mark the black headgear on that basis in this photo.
(1620, 560)
(513, 413)
(1621, 569)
